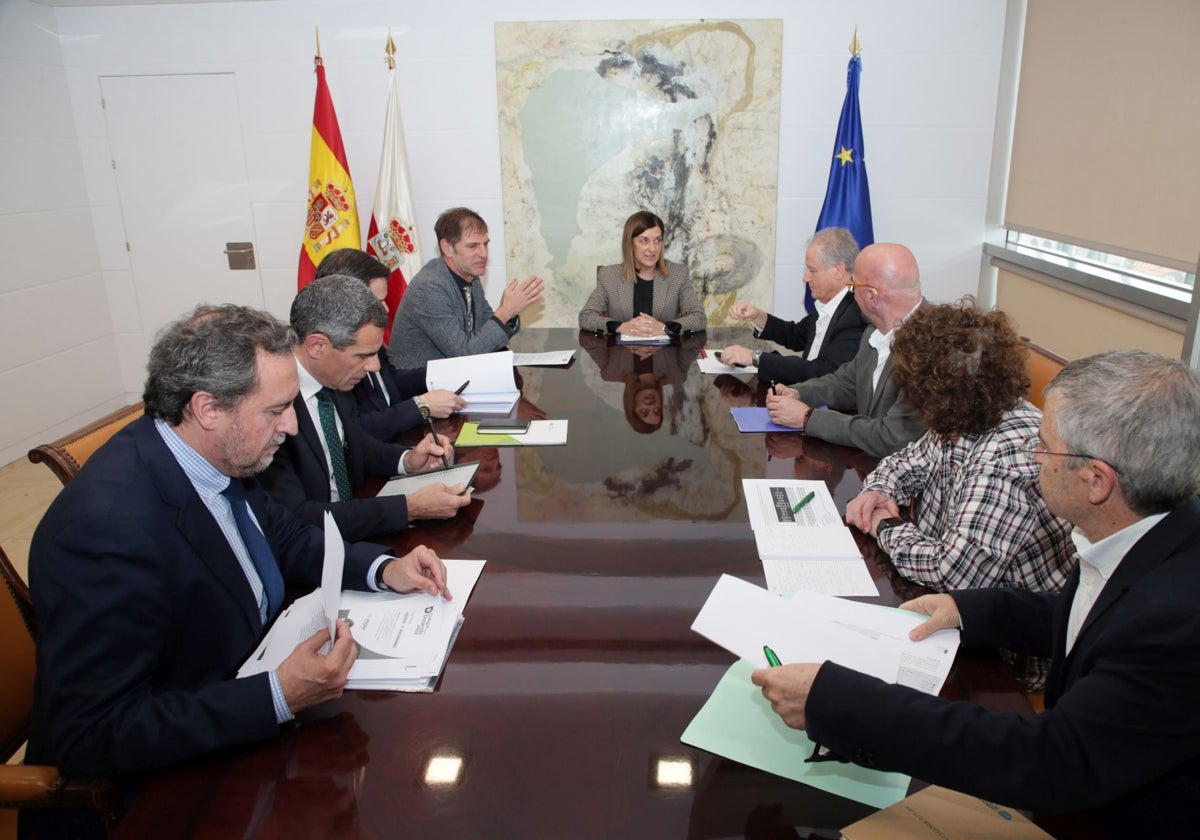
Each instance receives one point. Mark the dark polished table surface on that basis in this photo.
(576, 670)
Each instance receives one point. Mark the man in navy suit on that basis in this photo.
(390, 401)
(156, 569)
(1119, 457)
(340, 325)
(826, 338)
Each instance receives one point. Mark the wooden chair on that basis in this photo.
(67, 455)
(1043, 366)
(27, 786)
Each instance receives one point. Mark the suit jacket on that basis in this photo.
(430, 321)
(884, 422)
(298, 477)
(1120, 735)
(385, 419)
(846, 327)
(675, 299)
(144, 614)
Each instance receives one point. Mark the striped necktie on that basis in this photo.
(256, 546)
(337, 454)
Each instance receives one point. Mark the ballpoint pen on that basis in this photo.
(462, 388)
(800, 504)
(772, 659)
(433, 431)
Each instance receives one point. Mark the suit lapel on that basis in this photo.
(308, 435)
(196, 523)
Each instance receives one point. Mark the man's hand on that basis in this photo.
(308, 678)
(942, 612)
(746, 312)
(437, 501)
(427, 455)
(443, 403)
(518, 296)
(642, 326)
(419, 570)
(787, 688)
(737, 356)
(786, 408)
(867, 508)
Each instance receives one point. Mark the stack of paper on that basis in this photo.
(541, 433)
(490, 385)
(403, 640)
(737, 721)
(804, 544)
(406, 485)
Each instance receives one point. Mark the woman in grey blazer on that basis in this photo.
(646, 294)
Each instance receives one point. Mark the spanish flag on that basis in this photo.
(332, 221)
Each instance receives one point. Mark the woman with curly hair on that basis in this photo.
(979, 516)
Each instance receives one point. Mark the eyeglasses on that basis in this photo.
(874, 291)
(1034, 447)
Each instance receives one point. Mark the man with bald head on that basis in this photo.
(887, 286)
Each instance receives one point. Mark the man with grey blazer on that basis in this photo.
(887, 287)
(444, 312)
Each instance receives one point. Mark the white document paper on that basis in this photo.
(331, 576)
(549, 357)
(829, 577)
(742, 618)
(711, 364)
(403, 639)
(491, 387)
(406, 485)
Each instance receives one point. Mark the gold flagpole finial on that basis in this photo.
(391, 51)
(855, 44)
(317, 33)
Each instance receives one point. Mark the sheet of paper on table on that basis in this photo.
(738, 723)
(709, 363)
(405, 485)
(809, 549)
(541, 433)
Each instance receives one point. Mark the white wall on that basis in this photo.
(58, 361)
(928, 99)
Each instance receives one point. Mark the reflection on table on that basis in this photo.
(560, 710)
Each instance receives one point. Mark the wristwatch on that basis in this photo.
(379, 584)
(755, 356)
(422, 406)
(889, 522)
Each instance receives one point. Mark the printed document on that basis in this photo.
(547, 358)
(491, 387)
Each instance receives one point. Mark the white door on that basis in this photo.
(176, 142)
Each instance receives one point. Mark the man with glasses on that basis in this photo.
(887, 289)
(1119, 457)
(826, 338)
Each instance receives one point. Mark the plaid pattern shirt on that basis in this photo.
(980, 520)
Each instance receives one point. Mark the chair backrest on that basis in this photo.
(1043, 365)
(67, 455)
(16, 659)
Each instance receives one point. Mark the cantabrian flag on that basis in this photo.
(847, 196)
(392, 235)
(332, 221)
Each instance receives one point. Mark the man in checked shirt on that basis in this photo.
(979, 517)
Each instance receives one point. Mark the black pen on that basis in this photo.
(462, 388)
(433, 431)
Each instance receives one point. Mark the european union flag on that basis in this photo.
(847, 196)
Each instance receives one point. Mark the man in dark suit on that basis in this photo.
(826, 338)
(154, 572)
(340, 325)
(390, 401)
(1119, 457)
(888, 287)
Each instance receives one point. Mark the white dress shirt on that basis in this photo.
(824, 316)
(882, 342)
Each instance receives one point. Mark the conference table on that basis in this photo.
(560, 709)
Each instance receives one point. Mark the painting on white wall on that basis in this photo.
(600, 119)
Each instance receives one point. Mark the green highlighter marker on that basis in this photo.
(800, 504)
(772, 659)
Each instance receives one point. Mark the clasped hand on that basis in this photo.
(642, 325)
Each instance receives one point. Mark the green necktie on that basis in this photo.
(337, 455)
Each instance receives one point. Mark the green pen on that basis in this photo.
(772, 659)
(800, 504)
